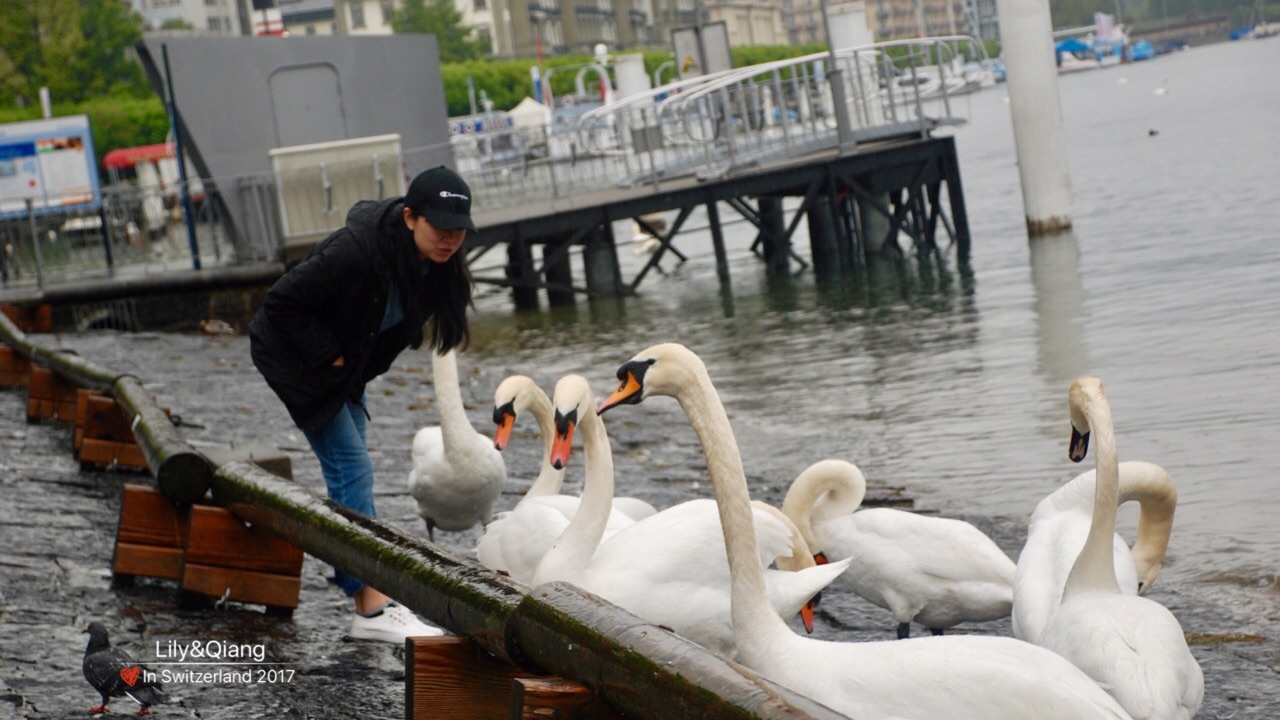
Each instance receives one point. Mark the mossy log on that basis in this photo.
(456, 593)
(183, 474)
(640, 668)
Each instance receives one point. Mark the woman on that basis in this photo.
(340, 317)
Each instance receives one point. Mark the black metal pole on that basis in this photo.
(182, 163)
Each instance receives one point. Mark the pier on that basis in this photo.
(757, 143)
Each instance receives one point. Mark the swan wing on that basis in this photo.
(955, 677)
(1132, 647)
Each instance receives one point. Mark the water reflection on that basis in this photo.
(1059, 310)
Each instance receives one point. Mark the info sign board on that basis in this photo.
(50, 162)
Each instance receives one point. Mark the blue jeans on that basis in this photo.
(343, 451)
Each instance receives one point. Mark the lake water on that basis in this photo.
(944, 383)
(951, 382)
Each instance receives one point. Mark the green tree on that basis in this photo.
(102, 68)
(74, 47)
(442, 19)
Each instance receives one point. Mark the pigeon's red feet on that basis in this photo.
(98, 710)
(144, 711)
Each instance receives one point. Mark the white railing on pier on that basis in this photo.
(709, 126)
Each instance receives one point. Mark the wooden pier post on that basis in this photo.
(600, 262)
(520, 268)
(717, 240)
(775, 244)
(558, 271)
(822, 238)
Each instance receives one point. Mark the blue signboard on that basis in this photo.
(50, 162)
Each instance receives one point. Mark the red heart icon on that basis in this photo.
(130, 675)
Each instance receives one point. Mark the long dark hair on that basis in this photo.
(444, 294)
(449, 288)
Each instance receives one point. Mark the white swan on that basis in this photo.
(938, 572)
(956, 677)
(670, 568)
(515, 541)
(457, 474)
(1057, 532)
(1132, 646)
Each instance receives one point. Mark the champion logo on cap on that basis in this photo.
(447, 194)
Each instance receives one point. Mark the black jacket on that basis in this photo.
(331, 305)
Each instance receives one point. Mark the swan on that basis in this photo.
(669, 568)
(958, 677)
(1058, 529)
(457, 473)
(515, 540)
(936, 571)
(1132, 646)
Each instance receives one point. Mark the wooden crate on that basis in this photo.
(150, 536)
(49, 396)
(451, 678)
(102, 436)
(30, 319)
(227, 559)
(206, 549)
(15, 369)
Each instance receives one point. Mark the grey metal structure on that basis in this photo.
(238, 97)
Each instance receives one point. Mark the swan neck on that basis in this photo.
(1094, 569)
(453, 415)
(549, 480)
(706, 413)
(1157, 498)
(824, 491)
(569, 558)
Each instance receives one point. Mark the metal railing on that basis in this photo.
(707, 126)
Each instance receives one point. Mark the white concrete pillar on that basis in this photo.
(1026, 36)
(629, 75)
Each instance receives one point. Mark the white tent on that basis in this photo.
(530, 113)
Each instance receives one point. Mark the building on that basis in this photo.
(509, 27)
(201, 17)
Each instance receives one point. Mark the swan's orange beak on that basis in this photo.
(1079, 445)
(806, 616)
(502, 435)
(820, 559)
(629, 389)
(562, 445)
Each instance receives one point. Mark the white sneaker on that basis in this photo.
(392, 624)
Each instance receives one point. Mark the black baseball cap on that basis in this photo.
(443, 197)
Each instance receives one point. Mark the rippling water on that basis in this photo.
(951, 381)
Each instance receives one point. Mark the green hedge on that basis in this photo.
(115, 122)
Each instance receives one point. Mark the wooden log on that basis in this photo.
(455, 593)
(555, 698)
(452, 678)
(182, 474)
(641, 669)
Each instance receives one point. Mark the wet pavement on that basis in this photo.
(57, 528)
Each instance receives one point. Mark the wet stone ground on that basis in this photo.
(57, 529)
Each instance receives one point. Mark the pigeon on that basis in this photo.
(113, 673)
